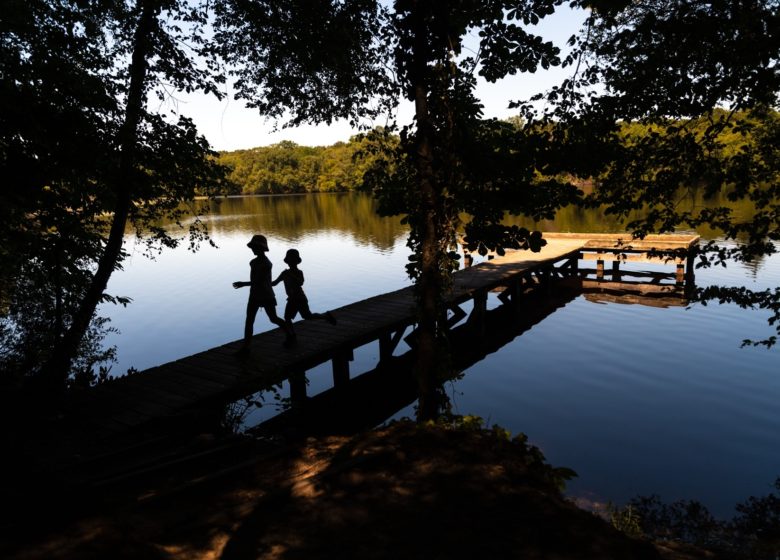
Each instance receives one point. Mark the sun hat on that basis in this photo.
(259, 242)
(292, 257)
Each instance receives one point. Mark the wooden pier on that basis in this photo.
(180, 391)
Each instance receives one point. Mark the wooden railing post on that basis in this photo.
(546, 279)
(298, 388)
(388, 343)
(341, 367)
(680, 276)
(385, 348)
(511, 293)
(689, 266)
(477, 317)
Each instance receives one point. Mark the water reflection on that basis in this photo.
(295, 216)
(596, 220)
(375, 396)
(637, 399)
(354, 214)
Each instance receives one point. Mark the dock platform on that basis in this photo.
(217, 376)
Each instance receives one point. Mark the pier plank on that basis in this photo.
(187, 379)
(147, 399)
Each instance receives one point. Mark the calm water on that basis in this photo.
(637, 400)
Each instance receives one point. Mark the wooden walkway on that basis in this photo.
(212, 378)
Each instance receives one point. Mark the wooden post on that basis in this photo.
(511, 292)
(341, 367)
(600, 268)
(385, 348)
(388, 344)
(517, 290)
(298, 388)
(511, 295)
(547, 280)
(468, 258)
(680, 279)
(690, 275)
(477, 317)
(616, 270)
(689, 266)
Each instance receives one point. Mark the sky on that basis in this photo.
(229, 125)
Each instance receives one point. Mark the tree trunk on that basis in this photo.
(55, 372)
(429, 282)
(58, 314)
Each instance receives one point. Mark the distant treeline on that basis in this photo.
(287, 167)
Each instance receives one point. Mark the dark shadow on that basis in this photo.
(432, 492)
(407, 494)
(372, 397)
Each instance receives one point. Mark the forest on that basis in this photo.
(287, 168)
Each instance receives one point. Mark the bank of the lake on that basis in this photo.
(405, 491)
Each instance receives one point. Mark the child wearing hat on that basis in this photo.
(261, 293)
(297, 302)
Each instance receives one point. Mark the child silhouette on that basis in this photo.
(297, 302)
(261, 294)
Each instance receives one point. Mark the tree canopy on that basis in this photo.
(367, 56)
(83, 156)
(672, 97)
(287, 167)
(665, 97)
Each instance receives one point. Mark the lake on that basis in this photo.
(636, 399)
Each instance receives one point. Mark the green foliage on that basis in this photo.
(757, 525)
(683, 58)
(320, 61)
(79, 148)
(753, 533)
(671, 100)
(286, 168)
(624, 519)
(474, 166)
(686, 99)
(511, 236)
(533, 456)
(353, 60)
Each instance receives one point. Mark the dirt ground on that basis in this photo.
(403, 491)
